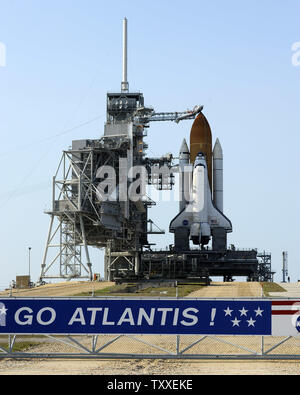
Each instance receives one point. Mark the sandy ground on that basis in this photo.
(292, 291)
(58, 290)
(147, 367)
(228, 290)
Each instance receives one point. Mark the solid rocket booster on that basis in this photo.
(218, 176)
(184, 161)
(201, 141)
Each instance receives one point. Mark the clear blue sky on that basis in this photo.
(233, 56)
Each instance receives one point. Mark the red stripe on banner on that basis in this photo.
(285, 312)
(285, 303)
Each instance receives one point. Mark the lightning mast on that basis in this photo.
(125, 84)
(284, 266)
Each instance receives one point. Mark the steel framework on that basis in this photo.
(180, 348)
(265, 273)
(76, 220)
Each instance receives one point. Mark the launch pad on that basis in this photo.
(100, 199)
(195, 266)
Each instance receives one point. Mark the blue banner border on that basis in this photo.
(228, 319)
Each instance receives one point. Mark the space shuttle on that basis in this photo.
(201, 218)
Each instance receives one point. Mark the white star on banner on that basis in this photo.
(236, 322)
(3, 310)
(243, 312)
(251, 322)
(228, 311)
(259, 312)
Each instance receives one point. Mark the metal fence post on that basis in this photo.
(177, 344)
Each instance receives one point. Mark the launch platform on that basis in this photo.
(193, 265)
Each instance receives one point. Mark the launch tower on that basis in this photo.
(99, 199)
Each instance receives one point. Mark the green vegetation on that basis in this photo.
(18, 346)
(131, 290)
(271, 287)
(115, 290)
(183, 290)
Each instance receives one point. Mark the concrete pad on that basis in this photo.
(292, 291)
(229, 290)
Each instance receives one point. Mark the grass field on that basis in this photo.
(182, 290)
(19, 346)
(130, 290)
(271, 287)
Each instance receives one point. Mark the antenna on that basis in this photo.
(125, 85)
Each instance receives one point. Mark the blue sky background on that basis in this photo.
(233, 57)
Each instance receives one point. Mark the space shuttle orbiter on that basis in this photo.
(201, 215)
